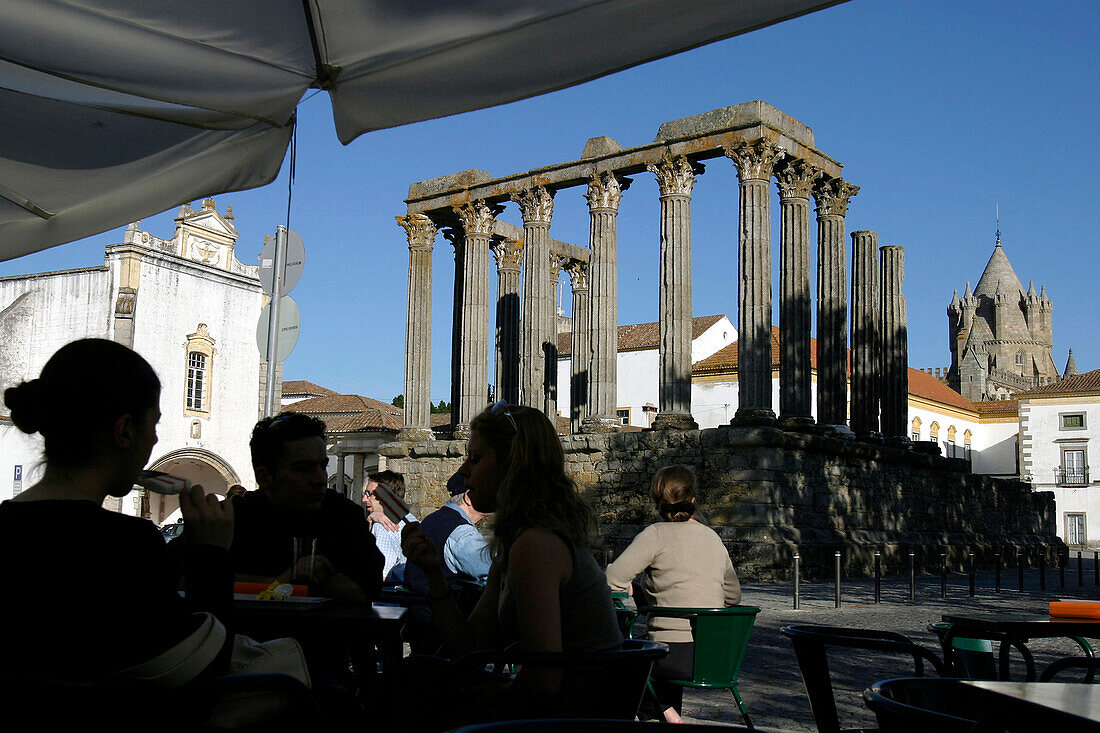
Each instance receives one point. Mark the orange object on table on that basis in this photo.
(1075, 609)
(257, 588)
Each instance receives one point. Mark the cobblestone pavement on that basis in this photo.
(771, 685)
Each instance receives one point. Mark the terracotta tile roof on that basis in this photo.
(342, 403)
(998, 407)
(302, 387)
(351, 412)
(637, 336)
(1087, 382)
(921, 384)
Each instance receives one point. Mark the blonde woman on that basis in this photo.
(685, 565)
(545, 590)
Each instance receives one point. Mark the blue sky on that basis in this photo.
(938, 110)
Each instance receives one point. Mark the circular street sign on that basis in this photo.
(292, 266)
(289, 322)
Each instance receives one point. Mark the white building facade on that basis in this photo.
(190, 308)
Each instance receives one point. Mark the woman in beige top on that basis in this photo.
(686, 566)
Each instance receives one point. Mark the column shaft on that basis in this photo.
(604, 194)
(537, 350)
(458, 240)
(507, 255)
(895, 346)
(340, 474)
(473, 360)
(418, 328)
(795, 180)
(580, 362)
(866, 343)
(676, 179)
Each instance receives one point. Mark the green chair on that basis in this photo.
(721, 638)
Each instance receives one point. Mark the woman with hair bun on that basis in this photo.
(686, 566)
(89, 591)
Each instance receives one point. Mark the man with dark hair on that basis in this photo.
(387, 534)
(293, 502)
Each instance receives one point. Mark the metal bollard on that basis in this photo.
(836, 563)
(1096, 568)
(912, 580)
(943, 575)
(797, 561)
(1020, 570)
(1042, 569)
(1062, 561)
(971, 574)
(996, 572)
(1080, 570)
(878, 577)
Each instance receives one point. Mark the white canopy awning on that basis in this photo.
(116, 109)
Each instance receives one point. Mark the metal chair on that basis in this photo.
(810, 643)
(921, 704)
(589, 725)
(721, 638)
(1089, 664)
(975, 658)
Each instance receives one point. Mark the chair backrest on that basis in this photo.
(810, 642)
(920, 704)
(586, 725)
(721, 638)
(975, 656)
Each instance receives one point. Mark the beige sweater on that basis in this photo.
(686, 566)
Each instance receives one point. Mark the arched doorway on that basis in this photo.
(200, 467)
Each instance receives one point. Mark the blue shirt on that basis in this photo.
(390, 545)
(466, 551)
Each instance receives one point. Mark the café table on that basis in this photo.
(1013, 628)
(1058, 705)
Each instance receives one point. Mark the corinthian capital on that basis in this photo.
(756, 160)
(795, 179)
(535, 204)
(477, 219)
(832, 196)
(419, 229)
(604, 192)
(578, 274)
(674, 175)
(508, 254)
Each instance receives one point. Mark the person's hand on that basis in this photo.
(418, 548)
(206, 519)
(381, 518)
(314, 570)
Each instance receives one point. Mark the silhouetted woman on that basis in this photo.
(544, 589)
(686, 566)
(87, 591)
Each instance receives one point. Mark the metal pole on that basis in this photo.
(1063, 560)
(836, 576)
(943, 575)
(1020, 570)
(1096, 568)
(1042, 569)
(273, 319)
(797, 560)
(912, 579)
(878, 577)
(996, 572)
(971, 574)
(1080, 570)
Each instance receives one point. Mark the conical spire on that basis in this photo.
(955, 300)
(1071, 367)
(968, 294)
(1030, 288)
(998, 272)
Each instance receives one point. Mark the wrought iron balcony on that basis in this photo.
(1071, 476)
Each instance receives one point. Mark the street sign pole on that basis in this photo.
(273, 319)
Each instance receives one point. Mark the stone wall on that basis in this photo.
(771, 493)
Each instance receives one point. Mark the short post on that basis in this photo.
(797, 562)
(996, 572)
(878, 577)
(943, 575)
(971, 574)
(912, 579)
(1080, 570)
(1062, 560)
(836, 574)
(1020, 569)
(1042, 569)
(1096, 568)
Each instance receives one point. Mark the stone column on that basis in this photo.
(755, 162)
(832, 197)
(676, 179)
(580, 362)
(866, 343)
(507, 253)
(604, 194)
(537, 330)
(473, 356)
(457, 238)
(418, 329)
(357, 460)
(895, 347)
(556, 263)
(795, 181)
(340, 486)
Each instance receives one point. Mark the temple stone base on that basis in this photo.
(798, 424)
(771, 493)
(674, 421)
(414, 435)
(601, 425)
(754, 417)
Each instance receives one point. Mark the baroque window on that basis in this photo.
(196, 381)
(199, 373)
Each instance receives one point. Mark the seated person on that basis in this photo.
(293, 501)
(544, 590)
(387, 535)
(78, 574)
